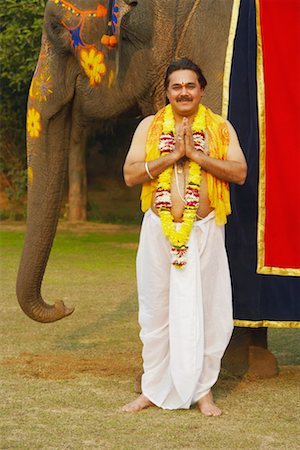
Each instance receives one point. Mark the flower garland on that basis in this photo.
(178, 234)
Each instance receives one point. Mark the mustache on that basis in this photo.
(184, 98)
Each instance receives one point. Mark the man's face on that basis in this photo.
(184, 92)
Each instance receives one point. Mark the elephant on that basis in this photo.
(99, 61)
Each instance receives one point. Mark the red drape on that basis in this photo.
(280, 33)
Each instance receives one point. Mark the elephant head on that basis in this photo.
(99, 60)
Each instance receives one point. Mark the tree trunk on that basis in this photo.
(77, 201)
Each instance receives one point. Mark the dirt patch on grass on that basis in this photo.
(76, 227)
(90, 227)
(125, 245)
(63, 366)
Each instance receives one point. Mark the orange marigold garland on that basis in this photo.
(110, 38)
(178, 234)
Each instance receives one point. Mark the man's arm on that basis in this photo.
(233, 169)
(134, 166)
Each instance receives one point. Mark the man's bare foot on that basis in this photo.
(207, 406)
(142, 402)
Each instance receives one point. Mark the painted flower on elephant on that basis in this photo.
(100, 11)
(111, 78)
(34, 126)
(75, 36)
(29, 176)
(114, 16)
(92, 63)
(41, 87)
(29, 165)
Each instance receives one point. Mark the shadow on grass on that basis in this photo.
(81, 339)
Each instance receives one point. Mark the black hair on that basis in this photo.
(185, 64)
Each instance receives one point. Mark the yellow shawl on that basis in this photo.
(218, 139)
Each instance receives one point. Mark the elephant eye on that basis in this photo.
(131, 3)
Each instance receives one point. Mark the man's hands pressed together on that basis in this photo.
(184, 142)
(234, 169)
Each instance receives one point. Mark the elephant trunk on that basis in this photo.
(47, 165)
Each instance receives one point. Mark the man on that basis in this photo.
(184, 156)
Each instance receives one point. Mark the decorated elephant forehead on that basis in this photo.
(75, 18)
(91, 9)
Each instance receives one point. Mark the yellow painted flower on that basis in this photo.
(29, 176)
(92, 63)
(41, 87)
(34, 126)
(111, 78)
(31, 94)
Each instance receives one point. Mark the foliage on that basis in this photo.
(21, 28)
(15, 177)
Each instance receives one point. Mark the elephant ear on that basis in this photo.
(56, 32)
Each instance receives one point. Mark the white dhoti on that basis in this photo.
(185, 314)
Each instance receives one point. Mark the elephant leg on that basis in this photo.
(236, 357)
(262, 362)
(248, 352)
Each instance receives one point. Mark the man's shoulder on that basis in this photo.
(141, 131)
(144, 125)
(146, 122)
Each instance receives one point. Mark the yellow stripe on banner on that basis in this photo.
(266, 323)
(228, 57)
(262, 146)
(261, 267)
(266, 270)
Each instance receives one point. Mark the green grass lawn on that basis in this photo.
(63, 384)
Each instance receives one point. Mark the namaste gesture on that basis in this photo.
(184, 142)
